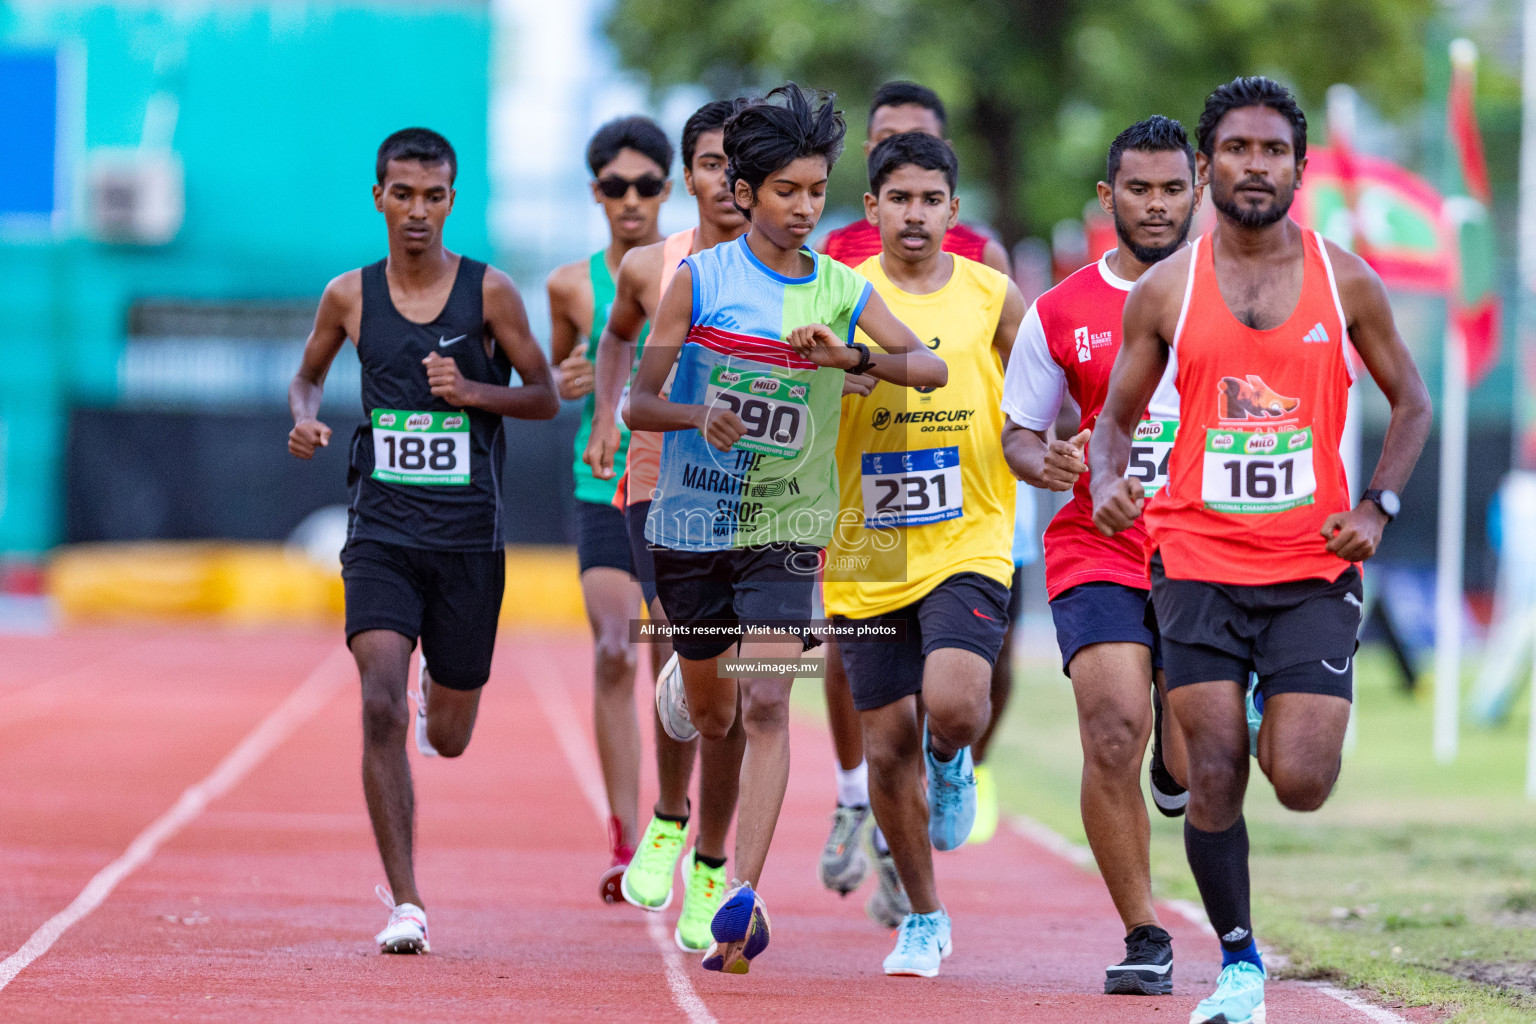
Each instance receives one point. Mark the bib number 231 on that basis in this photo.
(421, 447)
(911, 488)
(1256, 472)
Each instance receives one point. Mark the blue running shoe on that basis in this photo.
(1255, 704)
(1238, 999)
(921, 944)
(740, 929)
(951, 797)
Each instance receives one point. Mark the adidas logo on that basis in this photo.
(1318, 334)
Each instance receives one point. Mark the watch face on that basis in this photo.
(1390, 503)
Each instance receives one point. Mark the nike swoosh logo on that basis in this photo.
(444, 344)
(977, 611)
(1336, 671)
(1352, 599)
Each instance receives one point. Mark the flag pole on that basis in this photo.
(1453, 499)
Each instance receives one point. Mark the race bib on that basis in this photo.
(774, 410)
(1151, 444)
(911, 488)
(421, 447)
(1255, 472)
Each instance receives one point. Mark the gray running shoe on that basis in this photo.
(888, 904)
(672, 702)
(843, 862)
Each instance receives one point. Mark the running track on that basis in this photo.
(251, 900)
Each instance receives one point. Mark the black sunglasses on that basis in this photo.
(647, 186)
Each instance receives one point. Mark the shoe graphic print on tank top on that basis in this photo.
(1256, 467)
(779, 481)
(421, 472)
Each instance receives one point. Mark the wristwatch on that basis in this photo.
(864, 360)
(1387, 501)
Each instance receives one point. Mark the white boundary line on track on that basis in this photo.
(563, 719)
(1055, 842)
(308, 698)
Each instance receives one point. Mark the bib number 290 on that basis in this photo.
(421, 447)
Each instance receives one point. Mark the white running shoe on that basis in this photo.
(672, 702)
(407, 928)
(423, 745)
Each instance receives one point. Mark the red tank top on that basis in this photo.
(1256, 467)
(857, 242)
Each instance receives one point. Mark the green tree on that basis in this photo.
(1036, 89)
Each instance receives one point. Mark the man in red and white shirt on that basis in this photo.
(1097, 585)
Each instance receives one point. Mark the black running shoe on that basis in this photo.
(1147, 969)
(1169, 796)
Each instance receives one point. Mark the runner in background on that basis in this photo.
(1253, 539)
(897, 107)
(924, 532)
(1098, 586)
(760, 332)
(630, 158)
(437, 335)
(643, 279)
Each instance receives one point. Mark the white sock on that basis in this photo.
(853, 786)
(877, 840)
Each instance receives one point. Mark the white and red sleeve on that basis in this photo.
(1034, 383)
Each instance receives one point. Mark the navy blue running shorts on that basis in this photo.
(1101, 612)
(1299, 636)
(602, 539)
(449, 599)
(968, 611)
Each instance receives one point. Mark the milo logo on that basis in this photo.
(798, 391)
(1300, 439)
(386, 419)
(452, 422)
(1261, 444)
(1221, 442)
(419, 421)
(1148, 429)
(764, 386)
(729, 376)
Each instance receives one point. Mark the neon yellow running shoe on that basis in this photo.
(987, 813)
(703, 892)
(647, 882)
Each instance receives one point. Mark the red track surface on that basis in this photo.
(261, 909)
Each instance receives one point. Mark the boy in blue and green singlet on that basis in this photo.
(760, 332)
(629, 158)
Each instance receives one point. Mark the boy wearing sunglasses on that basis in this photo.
(629, 158)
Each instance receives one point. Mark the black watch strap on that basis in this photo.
(1374, 496)
(864, 358)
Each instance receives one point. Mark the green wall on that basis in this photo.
(281, 109)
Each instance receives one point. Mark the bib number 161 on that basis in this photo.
(1249, 473)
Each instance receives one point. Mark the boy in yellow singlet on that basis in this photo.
(925, 533)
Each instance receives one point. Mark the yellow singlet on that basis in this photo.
(925, 493)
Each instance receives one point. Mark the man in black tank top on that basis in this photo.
(437, 335)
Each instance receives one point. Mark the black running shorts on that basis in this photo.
(968, 611)
(640, 549)
(769, 583)
(449, 599)
(602, 539)
(1102, 612)
(1299, 636)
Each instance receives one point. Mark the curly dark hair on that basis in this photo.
(766, 135)
(1251, 91)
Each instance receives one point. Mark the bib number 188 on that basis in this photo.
(421, 447)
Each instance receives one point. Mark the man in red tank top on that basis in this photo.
(1098, 585)
(908, 107)
(1254, 540)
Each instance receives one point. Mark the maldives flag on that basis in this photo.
(1474, 296)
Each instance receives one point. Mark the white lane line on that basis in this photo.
(564, 720)
(308, 698)
(1060, 845)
